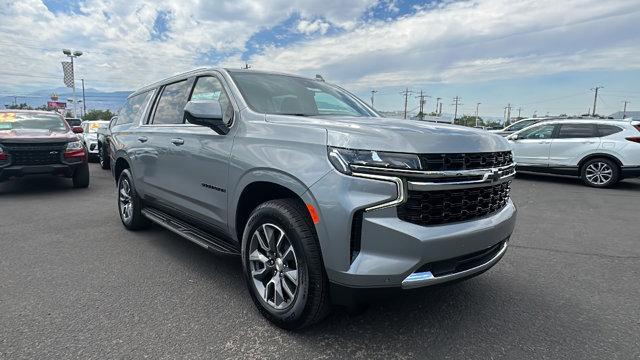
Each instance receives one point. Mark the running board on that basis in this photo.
(190, 232)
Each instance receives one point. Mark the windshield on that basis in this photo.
(95, 125)
(521, 125)
(289, 95)
(27, 121)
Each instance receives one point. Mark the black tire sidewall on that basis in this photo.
(102, 158)
(81, 176)
(294, 315)
(615, 173)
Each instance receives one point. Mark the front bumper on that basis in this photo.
(66, 170)
(394, 253)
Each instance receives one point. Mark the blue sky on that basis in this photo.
(537, 55)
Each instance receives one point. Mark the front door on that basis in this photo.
(532, 146)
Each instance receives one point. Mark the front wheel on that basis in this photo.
(81, 177)
(600, 173)
(283, 265)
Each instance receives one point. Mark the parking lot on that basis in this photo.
(75, 283)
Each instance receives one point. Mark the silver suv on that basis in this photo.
(322, 198)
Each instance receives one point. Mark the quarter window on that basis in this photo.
(210, 88)
(133, 108)
(572, 131)
(170, 107)
(606, 130)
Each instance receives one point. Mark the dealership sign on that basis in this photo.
(56, 104)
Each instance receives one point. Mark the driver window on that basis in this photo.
(541, 132)
(210, 88)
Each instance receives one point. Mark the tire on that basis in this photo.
(129, 203)
(310, 301)
(81, 177)
(600, 173)
(103, 158)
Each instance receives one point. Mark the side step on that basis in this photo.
(190, 232)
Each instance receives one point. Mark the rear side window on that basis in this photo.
(170, 107)
(133, 108)
(606, 130)
(570, 131)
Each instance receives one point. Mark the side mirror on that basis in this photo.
(513, 137)
(77, 130)
(206, 113)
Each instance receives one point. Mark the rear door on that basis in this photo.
(572, 142)
(533, 145)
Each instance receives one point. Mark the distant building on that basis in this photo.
(630, 114)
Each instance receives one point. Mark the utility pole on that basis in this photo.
(437, 104)
(507, 111)
(15, 100)
(372, 93)
(456, 103)
(406, 94)
(84, 101)
(440, 110)
(519, 110)
(624, 112)
(477, 106)
(422, 102)
(246, 65)
(595, 98)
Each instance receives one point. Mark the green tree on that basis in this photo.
(21, 106)
(468, 120)
(98, 115)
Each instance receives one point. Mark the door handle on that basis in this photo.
(143, 139)
(177, 141)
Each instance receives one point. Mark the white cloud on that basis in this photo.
(450, 42)
(309, 27)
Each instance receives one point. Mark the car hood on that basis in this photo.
(33, 135)
(399, 135)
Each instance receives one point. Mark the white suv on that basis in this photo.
(601, 152)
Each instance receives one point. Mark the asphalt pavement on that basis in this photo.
(75, 284)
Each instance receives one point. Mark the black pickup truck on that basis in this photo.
(104, 142)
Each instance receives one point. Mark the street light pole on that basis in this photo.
(73, 55)
(477, 106)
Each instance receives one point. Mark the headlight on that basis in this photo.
(343, 159)
(74, 145)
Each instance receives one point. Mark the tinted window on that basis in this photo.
(538, 132)
(210, 88)
(133, 108)
(170, 108)
(569, 131)
(606, 130)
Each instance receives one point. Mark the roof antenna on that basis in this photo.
(319, 77)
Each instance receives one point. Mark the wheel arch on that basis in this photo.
(120, 164)
(598, 155)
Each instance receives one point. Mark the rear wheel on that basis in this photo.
(129, 204)
(283, 265)
(600, 172)
(103, 158)
(81, 177)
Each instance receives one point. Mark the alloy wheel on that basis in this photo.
(124, 200)
(274, 266)
(599, 173)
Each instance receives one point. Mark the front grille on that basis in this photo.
(35, 154)
(449, 206)
(459, 161)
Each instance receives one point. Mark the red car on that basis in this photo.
(41, 142)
